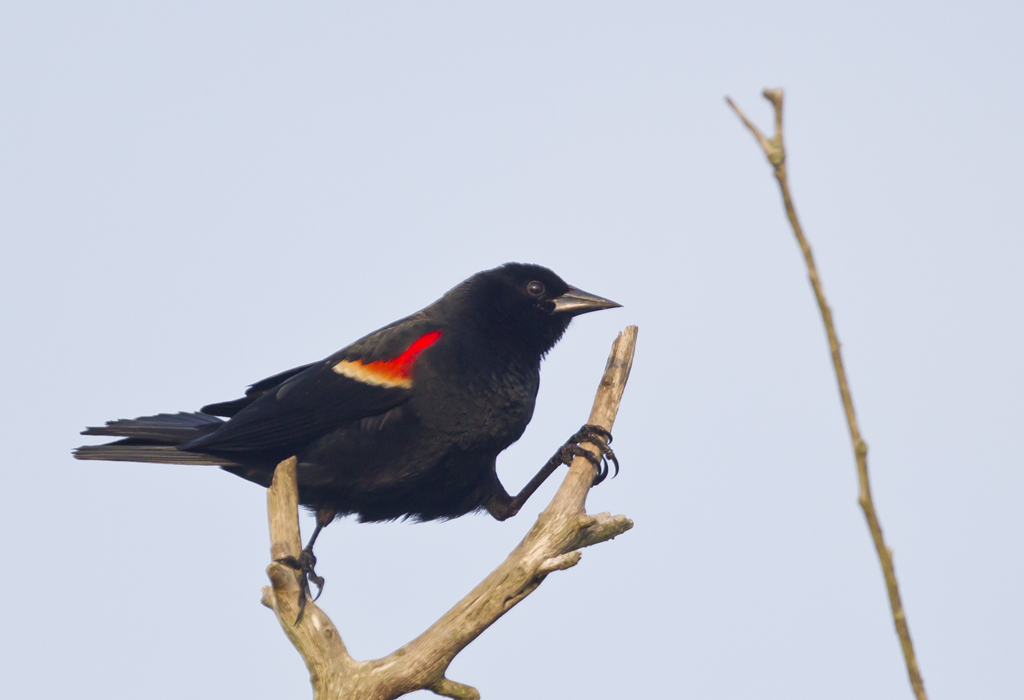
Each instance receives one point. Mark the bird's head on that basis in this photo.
(527, 305)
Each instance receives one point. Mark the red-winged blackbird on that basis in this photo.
(407, 421)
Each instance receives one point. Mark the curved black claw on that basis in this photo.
(601, 439)
(305, 563)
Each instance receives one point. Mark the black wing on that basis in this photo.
(317, 398)
(227, 409)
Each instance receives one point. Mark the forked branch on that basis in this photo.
(552, 544)
(775, 150)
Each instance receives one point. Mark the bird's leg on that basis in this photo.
(306, 562)
(503, 506)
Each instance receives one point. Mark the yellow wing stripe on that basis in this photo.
(368, 374)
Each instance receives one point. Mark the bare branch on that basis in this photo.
(324, 650)
(775, 150)
(551, 545)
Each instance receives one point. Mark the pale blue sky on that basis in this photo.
(197, 195)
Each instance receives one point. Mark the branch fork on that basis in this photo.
(552, 544)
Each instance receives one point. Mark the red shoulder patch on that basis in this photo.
(388, 373)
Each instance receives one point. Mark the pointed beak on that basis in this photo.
(576, 302)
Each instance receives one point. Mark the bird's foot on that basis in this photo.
(305, 563)
(600, 438)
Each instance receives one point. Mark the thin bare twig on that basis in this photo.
(775, 150)
(552, 544)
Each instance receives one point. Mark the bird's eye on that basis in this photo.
(535, 288)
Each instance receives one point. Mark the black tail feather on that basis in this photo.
(158, 454)
(154, 439)
(163, 428)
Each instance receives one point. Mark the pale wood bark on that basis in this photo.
(552, 544)
(775, 150)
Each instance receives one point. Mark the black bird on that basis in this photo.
(405, 422)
